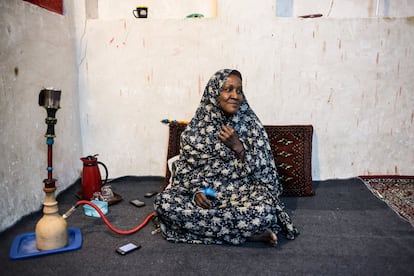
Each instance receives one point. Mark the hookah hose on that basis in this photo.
(110, 226)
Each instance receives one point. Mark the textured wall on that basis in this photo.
(36, 50)
(159, 9)
(349, 77)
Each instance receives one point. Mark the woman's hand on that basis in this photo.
(230, 138)
(201, 200)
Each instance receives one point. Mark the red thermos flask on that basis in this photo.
(91, 176)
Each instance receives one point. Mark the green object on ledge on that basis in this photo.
(195, 15)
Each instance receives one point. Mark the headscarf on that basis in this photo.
(206, 162)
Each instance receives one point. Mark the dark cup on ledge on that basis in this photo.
(140, 12)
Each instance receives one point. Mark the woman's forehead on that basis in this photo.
(233, 79)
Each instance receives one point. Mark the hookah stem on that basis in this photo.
(49, 159)
(110, 226)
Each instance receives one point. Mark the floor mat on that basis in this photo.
(396, 191)
(344, 230)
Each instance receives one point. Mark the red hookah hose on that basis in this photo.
(110, 226)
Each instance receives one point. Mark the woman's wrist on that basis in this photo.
(239, 151)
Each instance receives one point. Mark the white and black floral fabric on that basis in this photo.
(247, 193)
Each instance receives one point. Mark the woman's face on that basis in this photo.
(231, 95)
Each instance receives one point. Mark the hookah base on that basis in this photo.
(24, 245)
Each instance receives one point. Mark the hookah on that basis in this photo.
(51, 229)
(52, 234)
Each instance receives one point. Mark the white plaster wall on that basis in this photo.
(36, 50)
(348, 77)
(157, 9)
(178, 9)
(352, 8)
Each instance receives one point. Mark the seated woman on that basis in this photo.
(225, 187)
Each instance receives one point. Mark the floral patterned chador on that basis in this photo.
(247, 193)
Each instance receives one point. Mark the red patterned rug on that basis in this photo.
(396, 191)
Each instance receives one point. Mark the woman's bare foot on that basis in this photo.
(266, 237)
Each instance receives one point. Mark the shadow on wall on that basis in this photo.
(315, 158)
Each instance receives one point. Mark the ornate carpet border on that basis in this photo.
(397, 191)
(374, 176)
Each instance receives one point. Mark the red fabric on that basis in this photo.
(51, 5)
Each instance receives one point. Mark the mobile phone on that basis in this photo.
(151, 194)
(129, 247)
(137, 203)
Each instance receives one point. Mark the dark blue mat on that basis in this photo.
(345, 230)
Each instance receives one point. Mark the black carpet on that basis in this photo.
(345, 230)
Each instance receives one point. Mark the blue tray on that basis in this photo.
(24, 245)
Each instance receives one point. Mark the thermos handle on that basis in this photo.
(106, 172)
